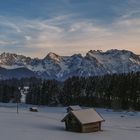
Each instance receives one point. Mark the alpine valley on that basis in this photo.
(53, 66)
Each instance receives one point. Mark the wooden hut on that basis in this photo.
(73, 108)
(33, 109)
(84, 120)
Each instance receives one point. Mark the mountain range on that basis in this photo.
(53, 66)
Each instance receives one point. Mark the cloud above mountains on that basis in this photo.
(71, 30)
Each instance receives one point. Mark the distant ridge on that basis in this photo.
(53, 66)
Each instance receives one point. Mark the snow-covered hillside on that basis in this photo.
(46, 124)
(58, 67)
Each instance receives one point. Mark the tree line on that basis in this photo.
(117, 91)
(9, 89)
(111, 91)
(9, 93)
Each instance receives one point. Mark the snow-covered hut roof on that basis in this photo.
(86, 116)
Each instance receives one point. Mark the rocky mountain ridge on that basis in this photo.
(58, 67)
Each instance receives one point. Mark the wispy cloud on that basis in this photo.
(78, 36)
(3, 42)
(69, 33)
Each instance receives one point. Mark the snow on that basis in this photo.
(116, 61)
(54, 56)
(134, 61)
(11, 66)
(23, 98)
(36, 68)
(62, 67)
(84, 117)
(46, 124)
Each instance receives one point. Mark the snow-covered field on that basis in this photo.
(46, 125)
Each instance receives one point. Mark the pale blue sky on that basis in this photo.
(36, 27)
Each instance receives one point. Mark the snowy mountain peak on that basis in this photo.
(7, 58)
(11, 56)
(95, 52)
(112, 52)
(118, 52)
(7, 55)
(77, 55)
(11, 59)
(53, 56)
(53, 66)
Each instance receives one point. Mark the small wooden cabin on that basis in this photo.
(73, 108)
(84, 120)
(33, 109)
